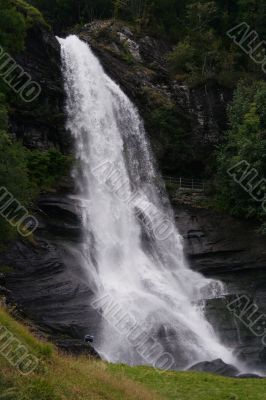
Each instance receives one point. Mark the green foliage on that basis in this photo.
(253, 13)
(13, 176)
(182, 58)
(245, 141)
(31, 14)
(197, 29)
(174, 148)
(45, 168)
(23, 172)
(12, 27)
(16, 16)
(204, 50)
(3, 113)
(62, 14)
(13, 169)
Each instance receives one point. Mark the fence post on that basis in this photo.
(180, 183)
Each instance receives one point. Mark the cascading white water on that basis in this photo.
(131, 248)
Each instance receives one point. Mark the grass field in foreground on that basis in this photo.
(59, 377)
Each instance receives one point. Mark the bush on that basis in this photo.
(13, 170)
(182, 58)
(23, 172)
(47, 167)
(174, 151)
(31, 14)
(245, 141)
(12, 27)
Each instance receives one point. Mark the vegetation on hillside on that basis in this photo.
(24, 173)
(245, 143)
(61, 377)
(185, 23)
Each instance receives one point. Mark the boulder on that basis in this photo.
(249, 376)
(216, 367)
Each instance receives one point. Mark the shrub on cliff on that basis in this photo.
(12, 27)
(46, 168)
(13, 170)
(23, 172)
(245, 143)
(174, 148)
(16, 16)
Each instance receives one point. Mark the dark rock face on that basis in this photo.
(218, 244)
(76, 347)
(230, 250)
(216, 367)
(41, 123)
(49, 284)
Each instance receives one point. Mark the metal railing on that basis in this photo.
(196, 185)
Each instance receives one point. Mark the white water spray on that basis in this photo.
(131, 248)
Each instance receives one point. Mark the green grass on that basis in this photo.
(194, 385)
(60, 377)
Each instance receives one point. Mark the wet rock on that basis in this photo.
(76, 347)
(249, 376)
(127, 31)
(218, 244)
(216, 367)
(4, 291)
(2, 279)
(231, 250)
(59, 216)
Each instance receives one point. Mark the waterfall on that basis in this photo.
(149, 300)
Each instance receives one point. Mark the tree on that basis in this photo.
(13, 170)
(245, 143)
(12, 27)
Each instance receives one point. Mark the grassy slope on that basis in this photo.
(66, 378)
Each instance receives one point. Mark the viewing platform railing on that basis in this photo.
(195, 185)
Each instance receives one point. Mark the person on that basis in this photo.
(88, 339)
